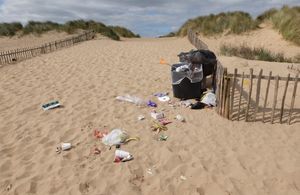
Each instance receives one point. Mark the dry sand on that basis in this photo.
(207, 155)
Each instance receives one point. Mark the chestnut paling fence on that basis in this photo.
(253, 97)
(13, 56)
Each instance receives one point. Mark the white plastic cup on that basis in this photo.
(121, 154)
(66, 146)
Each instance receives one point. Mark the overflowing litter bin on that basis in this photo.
(186, 83)
(188, 77)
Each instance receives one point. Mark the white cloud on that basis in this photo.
(150, 18)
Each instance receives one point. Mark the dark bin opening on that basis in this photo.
(185, 89)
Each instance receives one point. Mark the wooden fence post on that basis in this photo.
(218, 92)
(257, 94)
(227, 98)
(275, 99)
(232, 93)
(283, 98)
(222, 91)
(293, 98)
(266, 96)
(240, 98)
(249, 95)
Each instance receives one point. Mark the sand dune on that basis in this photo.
(265, 37)
(207, 155)
(31, 40)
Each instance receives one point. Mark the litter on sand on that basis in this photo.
(209, 99)
(158, 127)
(161, 94)
(198, 105)
(132, 99)
(63, 147)
(141, 117)
(157, 115)
(180, 118)
(51, 105)
(163, 61)
(122, 156)
(151, 104)
(186, 103)
(164, 98)
(149, 171)
(164, 121)
(163, 138)
(98, 134)
(117, 137)
(182, 177)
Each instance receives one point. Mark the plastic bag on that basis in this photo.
(132, 99)
(115, 137)
(209, 99)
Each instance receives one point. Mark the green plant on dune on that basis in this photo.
(124, 32)
(72, 26)
(249, 53)
(266, 15)
(286, 21)
(230, 22)
(171, 34)
(10, 29)
(40, 27)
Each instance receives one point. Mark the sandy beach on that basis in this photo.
(206, 155)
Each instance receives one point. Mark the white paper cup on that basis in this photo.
(121, 154)
(66, 146)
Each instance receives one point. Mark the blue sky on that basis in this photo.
(146, 17)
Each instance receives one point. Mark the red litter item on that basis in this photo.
(164, 121)
(98, 134)
(117, 159)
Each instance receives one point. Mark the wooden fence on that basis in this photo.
(13, 56)
(253, 97)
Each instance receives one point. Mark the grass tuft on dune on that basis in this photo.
(286, 20)
(230, 22)
(38, 28)
(260, 53)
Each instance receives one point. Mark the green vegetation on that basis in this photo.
(38, 28)
(72, 26)
(171, 34)
(266, 15)
(286, 21)
(246, 52)
(10, 29)
(230, 22)
(124, 32)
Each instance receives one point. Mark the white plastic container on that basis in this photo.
(121, 154)
(66, 146)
